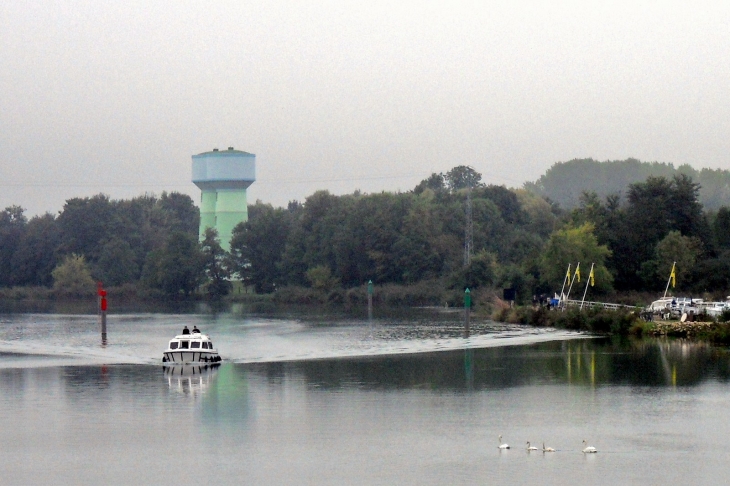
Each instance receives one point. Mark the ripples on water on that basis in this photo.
(43, 339)
(334, 400)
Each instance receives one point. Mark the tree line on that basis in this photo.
(521, 240)
(146, 240)
(328, 242)
(565, 182)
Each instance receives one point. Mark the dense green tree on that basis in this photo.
(352, 235)
(176, 269)
(506, 201)
(488, 222)
(462, 177)
(541, 219)
(257, 246)
(73, 277)
(35, 256)
(435, 182)
(511, 276)
(136, 227)
(313, 235)
(480, 272)
(117, 263)
(522, 246)
(144, 223)
(571, 246)
(422, 248)
(710, 275)
(216, 263)
(686, 211)
(12, 228)
(676, 250)
(179, 213)
(721, 228)
(655, 207)
(86, 222)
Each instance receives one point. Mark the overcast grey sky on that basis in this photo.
(115, 97)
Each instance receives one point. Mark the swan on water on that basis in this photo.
(530, 448)
(589, 449)
(547, 449)
(502, 446)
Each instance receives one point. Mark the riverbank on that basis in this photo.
(485, 304)
(610, 322)
(716, 332)
(603, 321)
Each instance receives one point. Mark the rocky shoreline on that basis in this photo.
(678, 328)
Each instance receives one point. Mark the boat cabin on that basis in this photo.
(193, 342)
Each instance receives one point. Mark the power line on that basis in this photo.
(180, 183)
(258, 181)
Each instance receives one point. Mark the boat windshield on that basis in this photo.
(195, 344)
(184, 344)
(173, 344)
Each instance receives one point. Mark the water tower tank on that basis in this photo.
(223, 177)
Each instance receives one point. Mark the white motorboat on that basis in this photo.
(187, 348)
(676, 305)
(715, 309)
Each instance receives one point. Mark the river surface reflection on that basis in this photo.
(656, 411)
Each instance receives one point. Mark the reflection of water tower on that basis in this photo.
(223, 176)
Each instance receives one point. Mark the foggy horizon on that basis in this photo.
(115, 99)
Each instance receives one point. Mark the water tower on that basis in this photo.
(223, 177)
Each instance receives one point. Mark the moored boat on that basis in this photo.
(677, 305)
(187, 348)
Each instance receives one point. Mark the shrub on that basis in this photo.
(540, 317)
(294, 294)
(72, 277)
(641, 328)
(320, 277)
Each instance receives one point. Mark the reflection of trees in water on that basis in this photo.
(585, 362)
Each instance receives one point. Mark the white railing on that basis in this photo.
(605, 305)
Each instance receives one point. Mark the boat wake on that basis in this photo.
(287, 349)
(38, 341)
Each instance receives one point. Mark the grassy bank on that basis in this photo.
(621, 322)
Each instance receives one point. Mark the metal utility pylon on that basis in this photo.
(469, 231)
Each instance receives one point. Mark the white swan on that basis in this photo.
(547, 449)
(530, 448)
(502, 446)
(589, 449)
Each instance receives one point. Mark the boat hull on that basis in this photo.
(188, 356)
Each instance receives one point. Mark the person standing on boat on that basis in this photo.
(186, 330)
(195, 329)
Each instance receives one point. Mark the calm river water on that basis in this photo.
(335, 400)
